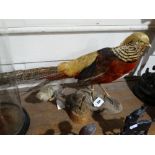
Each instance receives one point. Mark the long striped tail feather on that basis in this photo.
(49, 73)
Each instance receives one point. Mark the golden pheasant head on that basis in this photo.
(133, 47)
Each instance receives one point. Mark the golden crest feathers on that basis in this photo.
(137, 36)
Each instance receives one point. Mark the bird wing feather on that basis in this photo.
(99, 66)
(74, 67)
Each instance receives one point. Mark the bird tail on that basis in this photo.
(55, 76)
(50, 73)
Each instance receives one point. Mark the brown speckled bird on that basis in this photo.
(102, 66)
(107, 64)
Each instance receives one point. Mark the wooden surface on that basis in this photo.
(46, 119)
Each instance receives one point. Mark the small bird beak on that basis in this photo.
(149, 45)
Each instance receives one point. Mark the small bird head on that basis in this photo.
(133, 47)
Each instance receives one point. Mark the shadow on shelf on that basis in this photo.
(109, 127)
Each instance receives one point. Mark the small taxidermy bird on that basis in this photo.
(102, 66)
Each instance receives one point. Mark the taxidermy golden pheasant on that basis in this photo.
(102, 66)
(107, 64)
